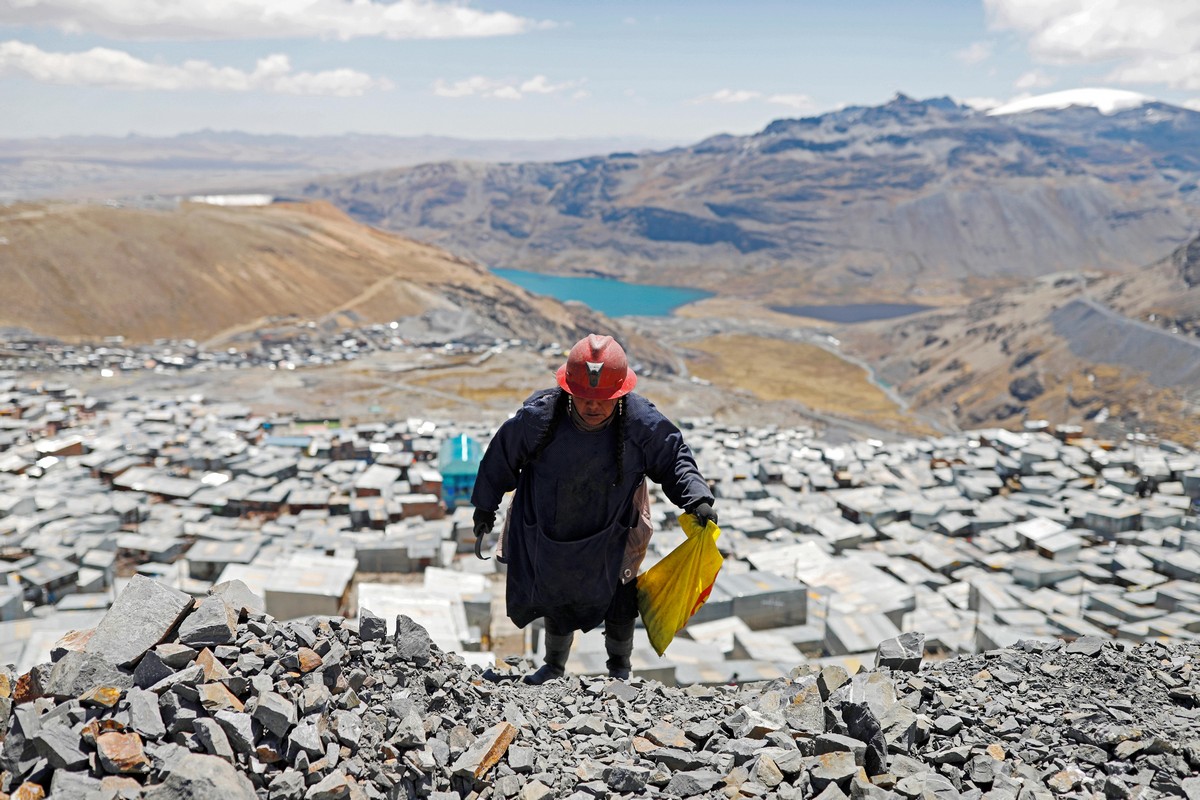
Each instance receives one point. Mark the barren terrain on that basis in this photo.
(911, 201)
(1114, 353)
(205, 272)
(1108, 352)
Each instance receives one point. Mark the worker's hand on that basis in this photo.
(705, 514)
(484, 522)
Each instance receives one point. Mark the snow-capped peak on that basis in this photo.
(1106, 101)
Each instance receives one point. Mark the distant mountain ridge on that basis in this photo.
(83, 167)
(904, 199)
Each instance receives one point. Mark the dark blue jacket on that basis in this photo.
(570, 516)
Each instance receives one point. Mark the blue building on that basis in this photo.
(458, 461)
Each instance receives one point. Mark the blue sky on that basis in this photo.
(675, 70)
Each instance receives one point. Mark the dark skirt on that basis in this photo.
(572, 583)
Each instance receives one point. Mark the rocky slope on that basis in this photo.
(1075, 347)
(203, 271)
(912, 198)
(168, 699)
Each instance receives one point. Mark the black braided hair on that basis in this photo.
(620, 423)
(561, 402)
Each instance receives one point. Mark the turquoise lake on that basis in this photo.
(606, 295)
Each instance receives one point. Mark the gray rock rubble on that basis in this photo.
(371, 717)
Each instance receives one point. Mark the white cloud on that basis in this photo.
(539, 84)
(1149, 41)
(115, 69)
(729, 96)
(1177, 72)
(1033, 80)
(975, 53)
(796, 102)
(1194, 105)
(465, 88)
(480, 86)
(255, 19)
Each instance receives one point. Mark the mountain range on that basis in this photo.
(210, 162)
(913, 198)
(1056, 243)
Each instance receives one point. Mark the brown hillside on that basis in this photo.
(1115, 354)
(83, 271)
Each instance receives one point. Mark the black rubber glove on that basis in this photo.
(484, 522)
(705, 514)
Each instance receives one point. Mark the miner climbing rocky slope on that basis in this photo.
(171, 698)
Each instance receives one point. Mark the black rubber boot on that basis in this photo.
(618, 641)
(558, 647)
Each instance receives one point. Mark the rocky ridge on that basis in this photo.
(169, 698)
(1072, 346)
(909, 199)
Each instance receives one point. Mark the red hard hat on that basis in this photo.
(597, 369)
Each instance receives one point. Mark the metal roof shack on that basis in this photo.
(1034, 571)
(308, 499)
(206, 559)
(308, 584)
(1159, 517)
(1062, 546)
(371, 512)
(301, 443)
(28, 642)
(157, 549)
(49, 579)
(12, 601)
(298, 584)
(857, 632)
(60, 447)
(171, 488)
(270, 499)
(406, 550)
(1037, 529)
(425, 480)
(15, 504)
(766, 646)
(841, 534)
(425, 506)
(1112, 520)
(765, 600)
(401, 460)
(269, 469)
(376, 481)
(441, 614)
(134, 478)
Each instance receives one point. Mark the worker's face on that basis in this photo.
(594, 411)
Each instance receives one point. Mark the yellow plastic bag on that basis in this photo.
(671, 591)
